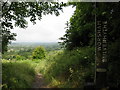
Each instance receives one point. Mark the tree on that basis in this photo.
(80, 28)
(80, 33)
(7, 36)
(15, 14)
(38, 53)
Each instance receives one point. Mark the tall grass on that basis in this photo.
(69, 68)
(62, 69)
(17, 74)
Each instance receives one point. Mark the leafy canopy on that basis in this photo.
(80, 27)
(80, 30)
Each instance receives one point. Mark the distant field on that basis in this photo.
(48, 45)
(33, 43)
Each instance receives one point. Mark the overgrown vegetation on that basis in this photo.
(80, 33)
(73, 66)
(114, 64)
(17, 74)
(69, 68)
(60, 68)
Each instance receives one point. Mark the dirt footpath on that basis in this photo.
(39, 82)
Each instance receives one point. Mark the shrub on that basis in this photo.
(71, 68)
(38, 53)
(18, 57)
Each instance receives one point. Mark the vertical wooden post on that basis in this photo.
(101, 51)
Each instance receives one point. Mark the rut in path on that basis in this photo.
(39, 82)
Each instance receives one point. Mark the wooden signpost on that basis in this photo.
(101, 52)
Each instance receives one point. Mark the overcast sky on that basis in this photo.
(49, 29)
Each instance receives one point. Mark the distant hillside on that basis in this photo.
(33, 43)
(48, 45)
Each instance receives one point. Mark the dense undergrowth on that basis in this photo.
(69, 69)
(17, 74)
(62, 69)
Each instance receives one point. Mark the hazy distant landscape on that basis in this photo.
(24, 50)
(33, 43)
(47, 45)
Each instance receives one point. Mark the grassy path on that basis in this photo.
(39, 81)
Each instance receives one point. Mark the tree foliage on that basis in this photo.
(80, 28)
(80, 33)
(15, 14)
(39, 53)
(18, 11)
(7, 36)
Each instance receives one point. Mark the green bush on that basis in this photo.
(18, 57)
(73, 67)
(38, 53)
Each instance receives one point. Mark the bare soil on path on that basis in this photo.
(39, 82)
